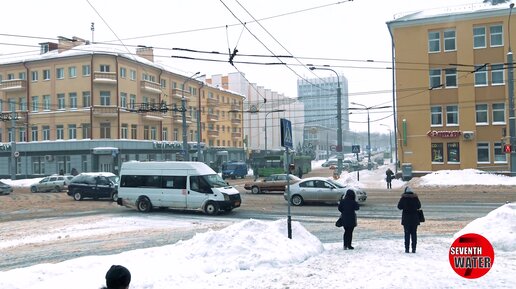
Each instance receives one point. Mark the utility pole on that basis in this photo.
(510, 76)
(13, 141)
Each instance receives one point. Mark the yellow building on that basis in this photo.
(451, 88)
(74, 91)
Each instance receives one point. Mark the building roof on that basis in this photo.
(449, 14)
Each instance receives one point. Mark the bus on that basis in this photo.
(272, 162)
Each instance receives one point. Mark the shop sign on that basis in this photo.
(444, 133)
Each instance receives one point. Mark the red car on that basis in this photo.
(276, 182)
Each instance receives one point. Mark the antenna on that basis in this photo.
(92, 31)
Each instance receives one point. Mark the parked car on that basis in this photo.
(275, 182)
(329, 163)
(94, 185)
(53, 183)
(234, 170)
(5, 189)
(320, 189)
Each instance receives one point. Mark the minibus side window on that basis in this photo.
(199, 184)
(174, 182)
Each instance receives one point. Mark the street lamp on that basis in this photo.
(265, 127)
(390, 140)
(510, 86)
(339, 118)
(368, 127)
(200, 156)
(183, 116)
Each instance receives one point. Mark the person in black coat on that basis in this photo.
(389, 175)
(409, 203)
(347, 207)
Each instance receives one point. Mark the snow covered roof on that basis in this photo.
(453, 13)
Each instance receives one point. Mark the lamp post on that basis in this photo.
(265, 127)
(390, 140)
(339, 118)
(200, 157)
(510, 86)
(183, 116)
(367, 108)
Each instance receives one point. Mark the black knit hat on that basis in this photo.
(117, 277)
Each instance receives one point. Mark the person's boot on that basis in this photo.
(414, 250)
(350, 247)
(406, 250)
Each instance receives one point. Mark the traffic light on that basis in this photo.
(507, 148)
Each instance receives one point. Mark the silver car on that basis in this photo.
(320, 189)
(5, 189)
(55, 183)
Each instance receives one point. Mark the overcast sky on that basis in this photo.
(327, 31)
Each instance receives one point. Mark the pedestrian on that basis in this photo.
(347, 207)
(117, 277)
(255, 173)
(389, 176)
(409, 203)
(300, 172)
(74, 172)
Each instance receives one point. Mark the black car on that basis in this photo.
(94, 185)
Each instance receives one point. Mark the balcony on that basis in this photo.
(19, 116)
(149, 86)
(212, 102)
(179, 119)
(153, 115)
(178, 94)
(236, 107)
(236, 121)
(236, 135)
(105, 111)
(212, 117)
(104, 77)
(213, 133)
(13, 85)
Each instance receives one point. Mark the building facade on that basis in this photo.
(319, 96)
(452, 88)
(91, 107)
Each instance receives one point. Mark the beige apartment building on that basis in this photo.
(91, 107)
(451, 88)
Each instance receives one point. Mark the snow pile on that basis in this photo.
(464, 177)
(499, 227)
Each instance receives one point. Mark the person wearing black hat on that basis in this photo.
(409, 203)
(347, 207)
(117, 277)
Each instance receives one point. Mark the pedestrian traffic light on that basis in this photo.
(507, 148)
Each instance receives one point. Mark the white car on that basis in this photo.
(320, 189)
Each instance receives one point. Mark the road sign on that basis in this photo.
(355, 149)
(333, 148)
(286, 133)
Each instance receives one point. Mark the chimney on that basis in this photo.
(67, 43)
(145, 52)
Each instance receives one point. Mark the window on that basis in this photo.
(105, 98)
(132, 74)
(123, 72)
(451, 77)
(46, 74)
(146, 132)
(434, 42)
(46, 132)
(437, 153)
(176, 134)
(105, 130)
(104, 68)
(481, 114)
(453, 152)
(134, 131)
(72, 96)
(482, 152)
(154, 133)
(435, 78)
(86, 70)
(480, 75)
(22, 135)
(132, 101)
(164, 134)
(21, 75)
(60, 73)
(124, 131)
(46, 102)
(86, 130)
(479, 37)
(497, 74)
(123, 99)
(452, 115)
(34, 75)
(498, 113)
(436, 115)
(35, 103)
(34, 133)
(496, 32)
(163, 83)
(449, 40)
(72, 131)
(499, 155)
(59, 131)
(22, 104)
(61, 101)
(72, 72)
(10, 76)
(86, 99)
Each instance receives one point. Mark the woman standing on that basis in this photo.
(409, 203)
(347, 207)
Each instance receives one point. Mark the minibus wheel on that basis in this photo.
(211, 208)
(143, 204)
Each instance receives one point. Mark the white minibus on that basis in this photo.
(175, 185)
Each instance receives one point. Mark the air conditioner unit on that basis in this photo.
(49, 158)
(468, 135)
